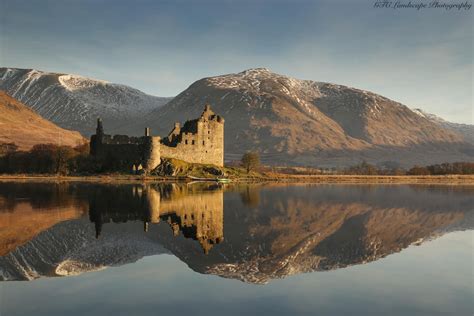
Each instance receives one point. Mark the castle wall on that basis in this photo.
(206, 146)
(127, 150)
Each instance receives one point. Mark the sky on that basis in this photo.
(421, 58)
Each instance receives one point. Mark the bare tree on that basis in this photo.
(250, 161)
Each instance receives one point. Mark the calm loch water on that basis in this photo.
(206, 249)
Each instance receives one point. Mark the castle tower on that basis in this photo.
(211, 130)
(151, 154)
(99, 129)
(96, 140)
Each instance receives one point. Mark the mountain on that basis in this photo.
(303, 122)
(22, 126)
(466, 130)
(75, 102)
(289, 121)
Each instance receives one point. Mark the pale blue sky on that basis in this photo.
(420, 58)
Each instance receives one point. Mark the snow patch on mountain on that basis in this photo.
(73, 82)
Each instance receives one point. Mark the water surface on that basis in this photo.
(206, 249)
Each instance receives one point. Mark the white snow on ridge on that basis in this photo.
(75, 102)
(8, 73)
(74, 82)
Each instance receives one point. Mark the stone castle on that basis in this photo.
(198, 141)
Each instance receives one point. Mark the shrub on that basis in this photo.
(250, 161)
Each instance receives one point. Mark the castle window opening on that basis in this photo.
(192, 142)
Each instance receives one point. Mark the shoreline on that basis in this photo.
(316, 179)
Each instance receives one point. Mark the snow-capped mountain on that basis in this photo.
(467, 130)
(292, 121)
(289, 121)
(75, 102)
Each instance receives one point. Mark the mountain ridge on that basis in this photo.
(467, 130)
(75, 102)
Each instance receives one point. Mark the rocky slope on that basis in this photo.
(75, 102)
(305, 122)
(466, 130)
(22, 126)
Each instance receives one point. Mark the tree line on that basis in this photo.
(365, 168)
(66, 160)
(47, 159)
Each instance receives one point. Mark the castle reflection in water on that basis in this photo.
(195, 211)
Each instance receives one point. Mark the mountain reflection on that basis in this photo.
(196, 211)
(271, 231)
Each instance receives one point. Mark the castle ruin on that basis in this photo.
(198, 141)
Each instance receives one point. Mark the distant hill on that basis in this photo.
(75, 102)
(466, 130)
(22, 126)
(303, 122)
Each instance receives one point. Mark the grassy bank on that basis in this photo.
(256, 178)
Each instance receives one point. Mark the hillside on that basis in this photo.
(466, 130)
(22, 126)
(304, 122)
(75, 102)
